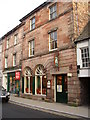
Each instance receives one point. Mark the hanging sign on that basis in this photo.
(17, 75)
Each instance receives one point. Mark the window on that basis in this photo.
(6, 62)
(14, 60)
(15, 39)
(53, 40)
(85, 57)
(53, 12)
(31, 48)
(40, 81)
(32, 23)
(7, 44)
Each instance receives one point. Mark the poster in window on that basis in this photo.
(59, 88)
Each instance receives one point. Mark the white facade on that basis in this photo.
(83, 71)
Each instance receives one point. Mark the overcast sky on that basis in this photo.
(11, 11)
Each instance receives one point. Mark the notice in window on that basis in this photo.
(59, 88)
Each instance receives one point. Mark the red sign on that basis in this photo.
(17, 75)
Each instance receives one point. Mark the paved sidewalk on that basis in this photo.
(57, 108)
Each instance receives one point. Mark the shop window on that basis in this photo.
(41, 81)
(28, 80)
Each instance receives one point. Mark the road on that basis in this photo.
(15, 111)
(10, 110)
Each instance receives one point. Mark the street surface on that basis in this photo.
(15, 111)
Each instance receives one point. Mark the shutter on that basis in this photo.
(33, 87)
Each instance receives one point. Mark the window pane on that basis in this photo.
(52, 45)
(51, 10)
(55, 8)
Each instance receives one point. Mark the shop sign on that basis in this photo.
(17, 75)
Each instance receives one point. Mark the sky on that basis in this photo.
(11, 11)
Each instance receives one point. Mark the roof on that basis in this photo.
(85, 33)
(13, 30)
(35, 10)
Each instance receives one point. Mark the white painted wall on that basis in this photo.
(84, 72)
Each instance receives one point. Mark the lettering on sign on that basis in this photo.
(17, 75)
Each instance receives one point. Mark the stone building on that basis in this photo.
(46, 52)
(49, 52)
(12, 55)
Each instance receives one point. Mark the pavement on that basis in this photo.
(52, 107)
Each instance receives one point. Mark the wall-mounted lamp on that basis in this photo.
(69, 74)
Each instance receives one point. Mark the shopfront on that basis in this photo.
(13, 82)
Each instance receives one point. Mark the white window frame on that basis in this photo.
(15, 39)
(31, 48)
(84, 57)
(6, 62)
(7, 43)
(52, 41)
(31, 24)
(14, 59)
(54, 11)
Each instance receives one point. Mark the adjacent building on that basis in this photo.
(12, 56)
(39, 55)
(83, 62)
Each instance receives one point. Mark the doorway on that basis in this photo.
(61, 88)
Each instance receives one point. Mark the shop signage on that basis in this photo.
(17, 75)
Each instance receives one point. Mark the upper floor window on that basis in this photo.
(53, 40)
(53, 11)
(14, 59)
(85, 57)
(7, 43)
(32, 21)
(15, 39)
(31, 48)
(6, 62)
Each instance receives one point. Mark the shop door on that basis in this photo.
(61, 88)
